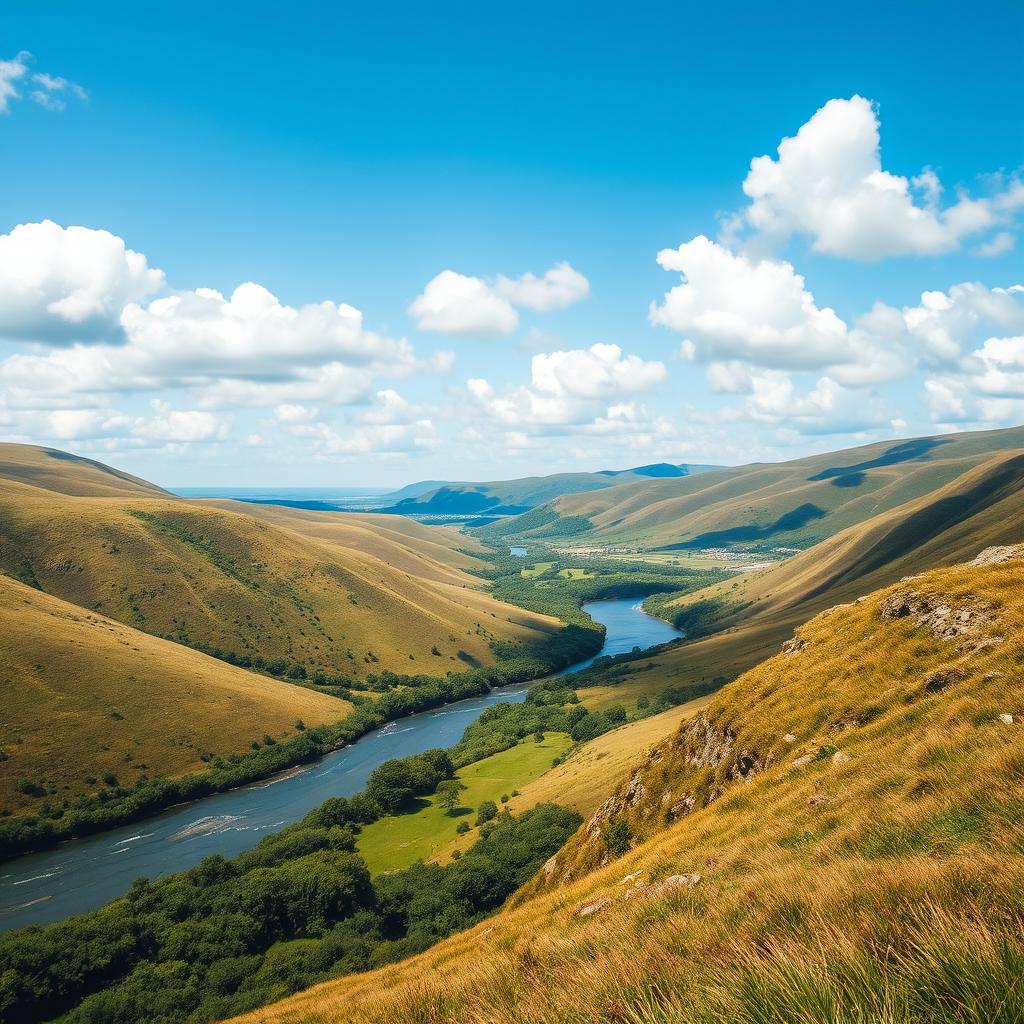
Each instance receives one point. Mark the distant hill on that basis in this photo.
(346, 594)
(761, 506)
(739, 622)
(511, 497)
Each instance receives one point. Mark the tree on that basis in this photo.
(486, 811)
(448, 794)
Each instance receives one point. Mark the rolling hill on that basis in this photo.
(739, 622)
(510, 497)
(350, 596)
(87, 697)
(760, 506)
(835, 837)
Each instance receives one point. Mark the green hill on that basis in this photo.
(510, 497)
(759, 507)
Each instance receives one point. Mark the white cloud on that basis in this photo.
(248, 349)
(457, 304)
(558, 288)
(828, 183)
(59, 285)
(732, 307)
(50, 91)
(569, 387)
(826, 408)
(1001, 243)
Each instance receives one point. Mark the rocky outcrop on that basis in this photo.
(995, 555)
(944, 617)
(794, 645)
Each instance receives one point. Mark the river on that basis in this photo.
(83, 874)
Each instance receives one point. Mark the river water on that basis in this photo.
(83, 874)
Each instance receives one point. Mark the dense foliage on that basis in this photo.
(228, 936)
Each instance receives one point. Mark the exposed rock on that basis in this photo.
(942, 678)
(794, 645)
(686, 881)
(747, 764)
(994, 555)
(944, 618)
(789, 738)
(818, 799)
(799, 762)
(1006, 719)
(629, 878)
(683, 806)
(593, 908)
(637, 889)
(549, 866)
(840, 758)
(992, 675)
(706, 746)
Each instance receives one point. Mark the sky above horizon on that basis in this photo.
(328, 245)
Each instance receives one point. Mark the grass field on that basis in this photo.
(86, 697)
(836, 837)
(395, 842)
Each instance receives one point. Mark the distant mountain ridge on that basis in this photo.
(513, 497)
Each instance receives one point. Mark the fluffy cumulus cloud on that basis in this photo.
(572, 387)
(457, 304)
(18, 81)
(557, 288)
(59, 285)
(732, 307)
(86, 331)
(827, 183)
(248, 349)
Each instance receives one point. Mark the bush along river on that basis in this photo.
(83, 874)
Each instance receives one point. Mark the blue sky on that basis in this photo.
(330, 153)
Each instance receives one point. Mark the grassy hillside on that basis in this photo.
(86, 697)
(64, 473)
(836, 837)
(748, 617)
(307, 588)
(762, 506)
(508, 497)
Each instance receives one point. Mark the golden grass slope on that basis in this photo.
(837, 838)
(84, 695)
(982, 507)
(351, 598)
(666, 512)
(54, 470)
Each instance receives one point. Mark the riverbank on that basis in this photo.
(85, 873)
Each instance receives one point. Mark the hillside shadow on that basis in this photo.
(908, 451)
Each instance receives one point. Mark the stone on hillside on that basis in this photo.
(818, 799)
(943, 617)
(685, 881)
(799, 762)
(593, 908)
(840, 758)
(1006, 719)
(789, 738)
(995, 555)
(942, 678)
(794, 645)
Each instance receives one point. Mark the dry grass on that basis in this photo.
(84, 695)
(351, 595)
(883, 886)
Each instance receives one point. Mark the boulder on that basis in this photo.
(593, 908)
